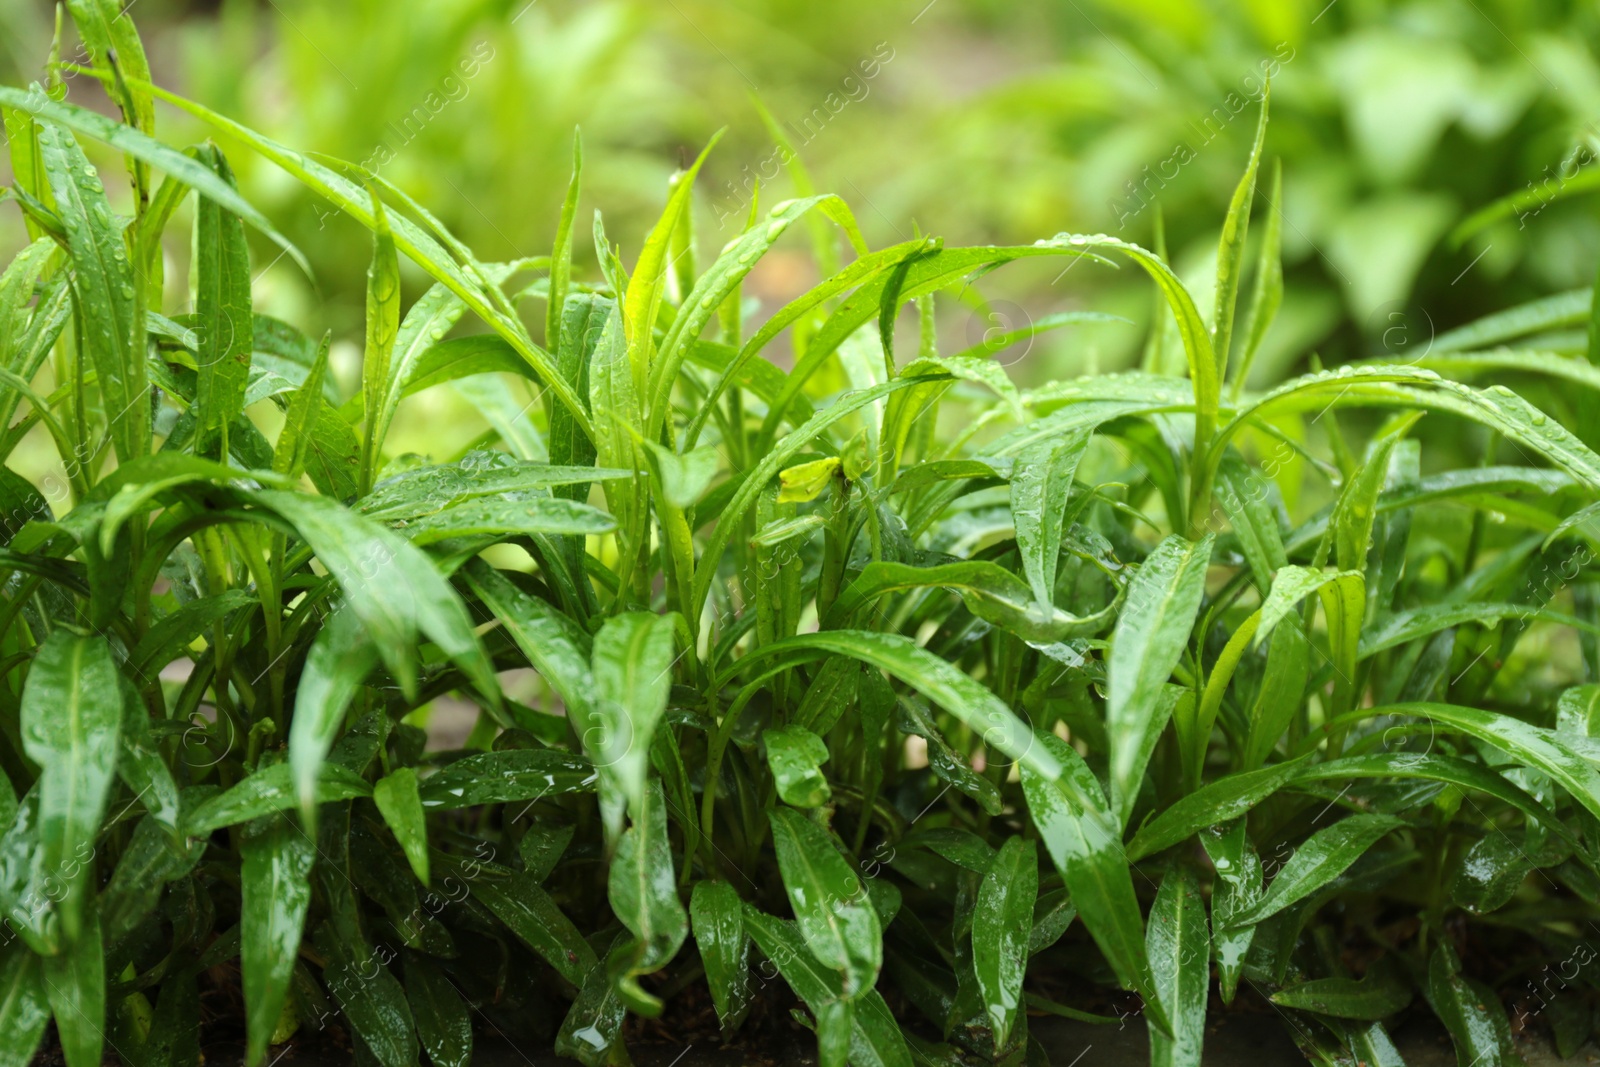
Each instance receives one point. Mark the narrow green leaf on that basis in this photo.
(341, 657)
(642, 888)
(1236, 889)
(1489, 873)
(1001, 924)
(719, 933)
(875, 1037)
(952, 689)
(528, 912)
(1434, 767)
(1041, 483)
(108, 300)
(989, 591)
(1083, 839)
(1532, 746)
(71, 721)
(830, 904)
(1180, 959)
(400, 803)
(171, 637)
(632, 670)
(127, 139)
(644, 288)
(75, 984)
(1230, 250)
(506, 518)
(1278, 701)
(1152, 632)
(383, 323)
(444, 1026)
(1291, 585)
(1215, 803)
(223, 306)
(510, 776)
(269, 790)
(275, 891)
(591, 1033)
(480, 476)
(295, 440)
(1320, 859)
(373, 1001)
(1471, 1013)
(1378, 996)
(389, 584)
(24, 1007)
(1267, 296)
(141, 765)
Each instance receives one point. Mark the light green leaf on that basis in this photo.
(1230, 255)
(506, 518)
(1532, 746)
(389, 584)
(1293, 584)
(989, 591)
(296, 440)
(383, 323)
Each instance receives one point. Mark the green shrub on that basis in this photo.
(872, 681)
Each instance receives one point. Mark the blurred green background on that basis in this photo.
(977, 120)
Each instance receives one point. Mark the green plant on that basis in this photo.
(1156, 638)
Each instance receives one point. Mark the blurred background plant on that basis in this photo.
(973, 119)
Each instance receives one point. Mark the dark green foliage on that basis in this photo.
(875, 674)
